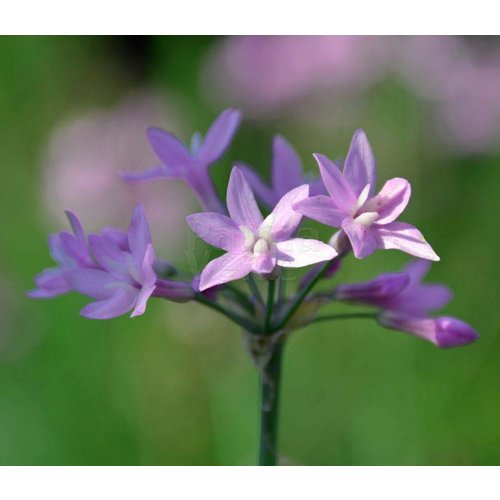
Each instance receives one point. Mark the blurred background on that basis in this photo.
(174, 386)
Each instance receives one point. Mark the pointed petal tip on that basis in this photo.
(236, 113)
(359, 132)
(137, 312)
(139, 210)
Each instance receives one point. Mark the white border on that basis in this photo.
(248, 17)
(252, 483)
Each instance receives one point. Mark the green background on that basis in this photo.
(175, 386)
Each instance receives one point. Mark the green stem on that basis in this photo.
(299, 298)
(270, 303)
(270, 389)
(254, 289)
(282, 287)
(244, 323)
(360, 315)
(237, 295)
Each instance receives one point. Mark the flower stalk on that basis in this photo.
(270, 381)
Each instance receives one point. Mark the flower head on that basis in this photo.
(286, 174)
(192, 163)
(401, 292)
(116, 268)
(252, 243)
(69, 251)
(406, 304)
(368, 220)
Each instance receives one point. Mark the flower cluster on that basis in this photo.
(116, 268)
(405, 304)
(120, 271)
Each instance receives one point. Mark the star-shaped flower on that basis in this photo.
(368, 220)
(192, 163)
(252, 243)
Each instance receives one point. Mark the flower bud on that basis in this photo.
(445, 331)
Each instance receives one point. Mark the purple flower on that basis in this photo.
(286, 174)
(401, 292)
(192, 164)
(445, 332)
(69, 251)
(252, 243)
(406, 303)
(368, 220)
(116, 268)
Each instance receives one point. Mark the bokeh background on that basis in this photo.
(175, 386)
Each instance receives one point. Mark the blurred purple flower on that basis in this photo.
(254, 244)
(406, 303)
(459, 76)
(401, 292)
(368, 221)
(69, 251)
(286, 174)
(86, 155)
(116, 268)
(264, 74)
(192, 165)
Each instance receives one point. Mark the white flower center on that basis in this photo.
(261, 241)
(367, 218)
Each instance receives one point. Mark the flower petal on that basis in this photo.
(339, 189)
(422, 299)
(322, 209)
(148, 274)
(139, 235)
(405, 237)
(177, 291)
(263, 264)
(74, 251)
(286, 171)
(217, 230)
(141, 300)
(57, 252)
(390, 201)
(286, 220)
(76, 226)
(50, 283)
(364, 240)
(360, 165)
(92, 282)
(158, 172)
(229, 267)
(268, 196)
(452, 332)
(241, 202)
(169, 149)
(417, 270)
(374, 292)
(116, 236)
(317, 187)
(121, 302)
(219, 136)
(300, 252)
